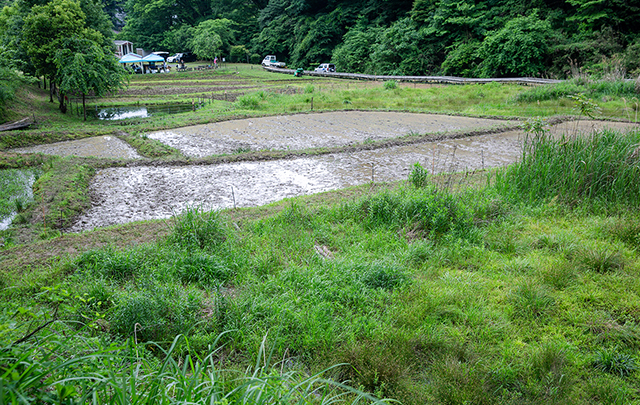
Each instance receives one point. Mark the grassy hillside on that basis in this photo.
(516, 286)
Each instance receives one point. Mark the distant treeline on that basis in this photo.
(479, 38)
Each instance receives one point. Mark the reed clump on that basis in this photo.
(598, 168)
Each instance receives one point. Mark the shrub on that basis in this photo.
(390, 84)
(419, 176)
(518, 49)
(256, 58)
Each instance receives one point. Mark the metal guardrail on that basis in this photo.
(419, 79)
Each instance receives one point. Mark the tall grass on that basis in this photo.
(600, 168)
(590, 88)
(94, 373)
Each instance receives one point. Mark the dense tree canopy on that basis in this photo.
(454, 37)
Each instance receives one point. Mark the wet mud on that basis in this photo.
(121, 195)
(100, 146)
(302, 131)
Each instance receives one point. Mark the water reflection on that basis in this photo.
(122, 112)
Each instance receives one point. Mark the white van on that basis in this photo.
(326, 67)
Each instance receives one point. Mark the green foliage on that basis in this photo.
(353, 54)
(419, 176)
(595, 169)
(427, 210)
(212, 38)
(9, 82)
(197, 229)
(201, 268)
(47, 27)
(614, 362)
(256, 58)
(69, 368)
(601, 260)
(379, 275)
(462, 59)
(390, 84)
(579, 87)
(83, 67)
(159, 312)
(112, 264)
(178, 38)
(15, 190)
(531, 301)
(518, 49)
(400, 50)
(61, 193)
(238, 53)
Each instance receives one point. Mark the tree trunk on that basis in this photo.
(62, 103)
(84, 108)
(50, 90)
(44, 82)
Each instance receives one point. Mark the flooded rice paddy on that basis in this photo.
(302, 131)
(99, 146)
(121, 195)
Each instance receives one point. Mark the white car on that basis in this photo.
(270, 60)
(326, 67)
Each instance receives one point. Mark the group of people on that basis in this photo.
(150, 68)
(165, 68)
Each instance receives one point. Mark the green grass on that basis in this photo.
(250, 91)
(523, 291)
(597, 168)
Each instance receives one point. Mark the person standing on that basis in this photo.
(215, 62)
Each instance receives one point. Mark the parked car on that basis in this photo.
(326, 67)
(270, 61)
(182, 56)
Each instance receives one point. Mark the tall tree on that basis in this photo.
(84, 67)
(46, 28)
(206, 42)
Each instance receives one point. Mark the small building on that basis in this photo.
(123, 48)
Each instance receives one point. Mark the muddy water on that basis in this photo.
(99, 146)
(303, 131)
(128, 194)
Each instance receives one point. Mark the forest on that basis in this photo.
(479, 38)
(471, 38)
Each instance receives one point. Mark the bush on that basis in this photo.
(518, 49)
(390, 84)
(419, 176)
(256, 59)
